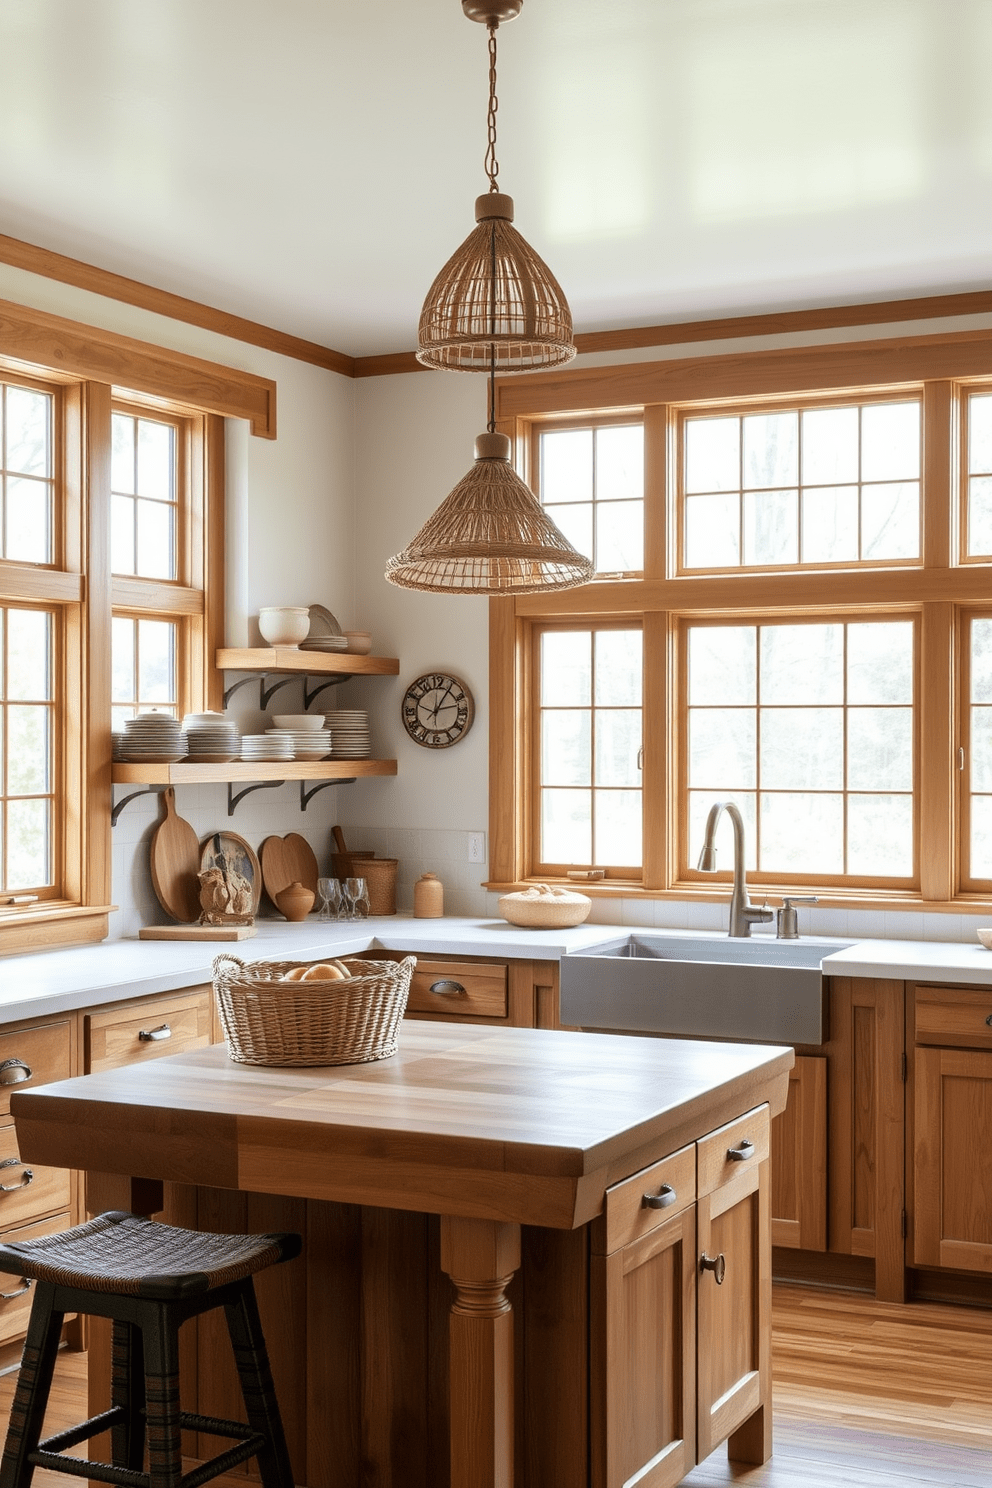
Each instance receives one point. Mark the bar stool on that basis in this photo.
(148, 1278)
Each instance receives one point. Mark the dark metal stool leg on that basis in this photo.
(252, 1362)
(161, 1348)
(27, 1414)
(127, 1393)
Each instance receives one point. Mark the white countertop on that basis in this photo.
(62, 980)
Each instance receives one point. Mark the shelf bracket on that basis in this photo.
(233, 800)
(265, 694)
(306, 796)
(151, 790)
(311, 697)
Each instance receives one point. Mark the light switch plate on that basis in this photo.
(477, 847)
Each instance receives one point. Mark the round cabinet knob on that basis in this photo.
(716, 1264)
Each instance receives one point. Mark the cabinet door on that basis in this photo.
(952, 1159)
(799, 1160)
(733, 1312)
(642, 1358)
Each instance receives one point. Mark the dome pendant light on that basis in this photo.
(495, 304)
(494, 295)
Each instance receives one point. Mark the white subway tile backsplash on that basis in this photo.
(606, 912)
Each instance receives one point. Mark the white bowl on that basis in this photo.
(985, 936)
(359, 642)
(299, 722)
(284, 625)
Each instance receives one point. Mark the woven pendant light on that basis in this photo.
(489, 536)
(495, 304)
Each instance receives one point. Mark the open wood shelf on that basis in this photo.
(290, 659)
(185, 774)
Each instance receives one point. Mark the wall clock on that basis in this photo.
(437, 710)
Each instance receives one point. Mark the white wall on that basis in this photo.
(291, 540)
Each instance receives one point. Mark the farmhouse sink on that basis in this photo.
(771, 991)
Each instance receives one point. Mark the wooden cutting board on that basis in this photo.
(287, 860)
(196, 932)
(175, 862)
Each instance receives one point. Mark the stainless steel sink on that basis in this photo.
(771, 991)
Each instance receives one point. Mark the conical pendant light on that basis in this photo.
(495, 304)
(489, 536)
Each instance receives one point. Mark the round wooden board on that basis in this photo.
(287, 860)
(174, 858)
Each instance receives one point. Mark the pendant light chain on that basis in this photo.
(492, 164)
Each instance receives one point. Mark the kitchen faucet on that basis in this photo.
(742, 912)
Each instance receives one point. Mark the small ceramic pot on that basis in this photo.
(428, 897)
(296, 902)
(284, 625)
(359, 642)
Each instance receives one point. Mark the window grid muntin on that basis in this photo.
(173, 505)
(595, 503)
(50, 797)
(593, 789)
(799, 406)
(46, 481)
(124, 708)
(754, 838)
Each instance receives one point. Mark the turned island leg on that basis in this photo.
(480, 1256)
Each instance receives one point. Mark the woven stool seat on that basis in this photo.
(128, 1256)
(147, 1279)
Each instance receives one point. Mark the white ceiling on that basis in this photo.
(311, 163)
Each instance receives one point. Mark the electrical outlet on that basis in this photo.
(477, 847)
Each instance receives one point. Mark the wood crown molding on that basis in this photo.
(50, 343)
(73, 271)
(65, 270)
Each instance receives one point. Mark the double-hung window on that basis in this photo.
(799, 623)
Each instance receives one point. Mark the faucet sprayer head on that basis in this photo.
(707, 860)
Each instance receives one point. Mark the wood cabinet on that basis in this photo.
(799, 1159)
(480, 989)
(950, 1166)
(132, 1032)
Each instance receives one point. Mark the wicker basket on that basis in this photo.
(379, 875)
(270, 1021)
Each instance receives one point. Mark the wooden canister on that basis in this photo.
(428, 897)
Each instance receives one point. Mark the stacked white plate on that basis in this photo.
(211, 738)
(265, 747)
(324, 643)
(350, 732)
(307, 744)
(152, 739)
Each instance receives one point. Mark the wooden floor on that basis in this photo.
(867, 1395)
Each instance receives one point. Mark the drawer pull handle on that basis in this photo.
(26, 1177)
(988, 1021)
(447, 988)
(13, 1071)
(742, 1152)
(666, 1195)
(9, 1296)
(716, 1264)
(149, 1035)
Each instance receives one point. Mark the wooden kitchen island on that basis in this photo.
(600, 1205)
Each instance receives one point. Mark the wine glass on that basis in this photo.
(355, 898)
(329, 890)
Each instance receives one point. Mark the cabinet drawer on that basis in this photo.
(714, 1165)
(477, 991)
(955, 1016)
(23, 1198)
(628, 1216)
(46, 1051)
(119, 1035)
(16, 1294)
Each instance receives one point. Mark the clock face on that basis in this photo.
(437, 710)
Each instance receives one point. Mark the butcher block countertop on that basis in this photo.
(518, 1124)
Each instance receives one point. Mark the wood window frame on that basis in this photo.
(90, 369)
(939, 586)
(536, 869)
